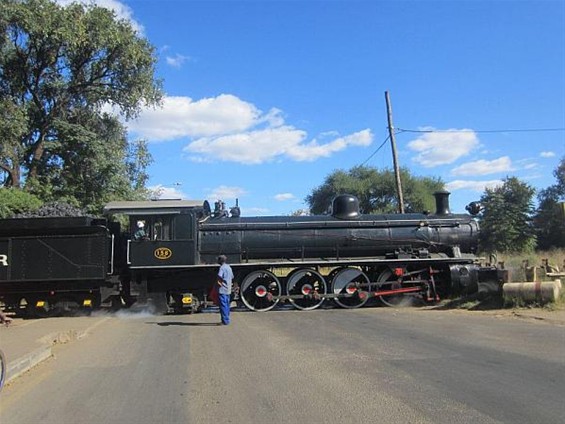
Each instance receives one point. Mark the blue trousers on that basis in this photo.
(224, 300)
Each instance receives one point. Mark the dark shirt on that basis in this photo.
(140, 234)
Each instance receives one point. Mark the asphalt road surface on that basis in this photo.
(374, 365)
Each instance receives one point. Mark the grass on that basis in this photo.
(517, 264)
(558, 305)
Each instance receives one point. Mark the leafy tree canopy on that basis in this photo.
(506, 220)
(549, 220)
(376, 190)
(94, 165)
(14, 201)
(59, 67)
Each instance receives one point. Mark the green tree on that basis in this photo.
(376, 190)
(300, 212)
(93, 165)
(14, 201)
(59, 67)
(13, 122)
(549, 221)
(506, 220)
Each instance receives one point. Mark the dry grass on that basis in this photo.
(517, 263)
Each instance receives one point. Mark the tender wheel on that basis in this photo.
(257, 290)
(196, 306)
(353, 283)
(44, 311)
(65, 306)
(308, 283)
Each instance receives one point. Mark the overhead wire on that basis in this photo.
(376, 151)
(402, 130)
(398, 130)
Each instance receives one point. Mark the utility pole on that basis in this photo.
(394, 158)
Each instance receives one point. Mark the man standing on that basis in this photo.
(225, 277)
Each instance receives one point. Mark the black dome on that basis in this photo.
(345, 206)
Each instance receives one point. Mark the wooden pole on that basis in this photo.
(394, 157)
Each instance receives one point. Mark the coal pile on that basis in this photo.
(53, 209)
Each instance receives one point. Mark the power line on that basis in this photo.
(406, 130)
(402, 130)
(376, 151)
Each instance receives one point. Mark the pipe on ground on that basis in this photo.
(543, 292)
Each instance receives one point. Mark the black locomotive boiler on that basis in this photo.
(345, 256)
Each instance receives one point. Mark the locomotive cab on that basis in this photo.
(169, 231)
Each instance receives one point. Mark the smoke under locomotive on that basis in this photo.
(54, 263)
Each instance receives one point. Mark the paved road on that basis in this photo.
(327, 366)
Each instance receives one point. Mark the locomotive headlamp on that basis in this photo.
(187, 300)
(40, 304)
(87, 303)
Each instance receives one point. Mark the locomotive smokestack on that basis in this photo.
(442, 202)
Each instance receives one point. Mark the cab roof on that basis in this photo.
(150, 207)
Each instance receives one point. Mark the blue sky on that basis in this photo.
(264, 99)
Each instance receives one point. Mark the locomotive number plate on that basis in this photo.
(163, 253)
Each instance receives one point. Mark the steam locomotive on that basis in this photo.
(53, 264)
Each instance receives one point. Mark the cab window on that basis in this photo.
(155, 227)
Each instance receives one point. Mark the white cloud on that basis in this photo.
(121, 10)
(255, 147)
(484, 167)
(182, 117)
(226, 128)
(472, 185)
(162, 192)
(273, 118)
(313, 150)
(284, 196)
(547, 154)
(177, 60)
(441, 148)
(255, 211)
(527, 163)
(225, 193)
(252, 147)
(329, 134)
